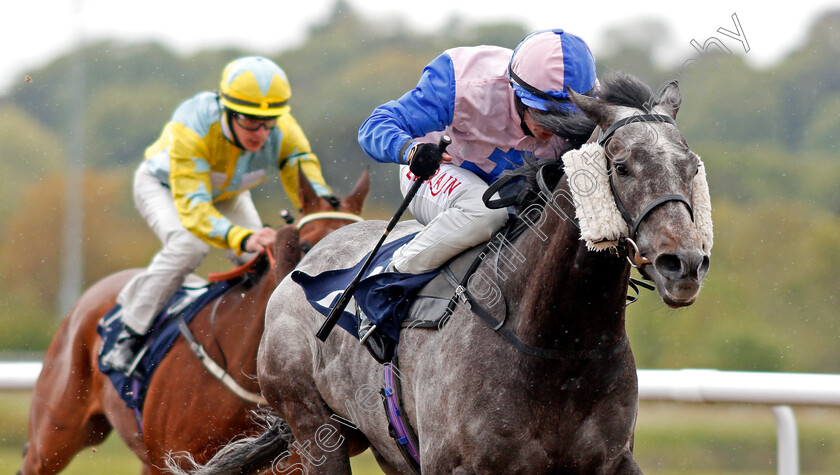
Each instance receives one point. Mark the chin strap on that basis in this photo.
(228, 119)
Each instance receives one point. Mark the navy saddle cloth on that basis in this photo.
(188, 300)
(391, 300)
(383, 296)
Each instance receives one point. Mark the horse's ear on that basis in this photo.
(355, 201)
(596, 110)
(670, 99)
(309, 200)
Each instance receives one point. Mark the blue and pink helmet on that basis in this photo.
(547, 61)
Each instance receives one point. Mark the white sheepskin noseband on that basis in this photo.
(601, 224)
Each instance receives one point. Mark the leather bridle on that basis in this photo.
(629, 242)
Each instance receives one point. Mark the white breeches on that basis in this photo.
(450, 206)
(146, 294)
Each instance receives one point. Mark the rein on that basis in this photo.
(531, 350)
(219, 372)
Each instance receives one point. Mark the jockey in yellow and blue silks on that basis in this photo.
(193, 187)
(498, 106)
(204, 163)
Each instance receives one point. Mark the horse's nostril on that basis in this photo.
(704, 266)
(669, 265)
(681, 265)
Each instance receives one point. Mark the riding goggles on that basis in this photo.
(252, 123)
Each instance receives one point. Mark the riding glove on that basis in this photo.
(424, 160)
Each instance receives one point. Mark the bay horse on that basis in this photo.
(555, 389)
(187, 409)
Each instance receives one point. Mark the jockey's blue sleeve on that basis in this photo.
(426, 108)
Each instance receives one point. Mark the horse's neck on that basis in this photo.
(563, 296)
(285, 257)
(240, 320)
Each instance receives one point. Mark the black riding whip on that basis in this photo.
(338, 308)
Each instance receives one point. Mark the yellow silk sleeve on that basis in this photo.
(189, 180)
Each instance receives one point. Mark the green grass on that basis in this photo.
(112, 457)
(671, 439)
(720, 438)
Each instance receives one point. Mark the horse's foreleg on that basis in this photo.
(65, 414)
(322, 441)
(322, 448)
(56, 434)
(384, 464)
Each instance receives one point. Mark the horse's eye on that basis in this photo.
(305, 247)
(621, 169)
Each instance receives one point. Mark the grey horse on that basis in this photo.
(477, 403)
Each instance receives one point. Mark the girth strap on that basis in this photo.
(398, 426)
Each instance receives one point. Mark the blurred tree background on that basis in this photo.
(769, 137)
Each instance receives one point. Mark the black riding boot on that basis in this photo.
(122, 354)
(381, 347)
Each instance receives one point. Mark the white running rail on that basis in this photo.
(19, 375)
(711, 385)
(778, 390)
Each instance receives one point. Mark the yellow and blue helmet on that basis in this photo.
(255, 85)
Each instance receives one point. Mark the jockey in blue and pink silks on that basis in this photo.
(497, 106)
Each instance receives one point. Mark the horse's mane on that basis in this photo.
(622, 89)
(618, 88)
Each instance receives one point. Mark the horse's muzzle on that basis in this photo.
(679, 275)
